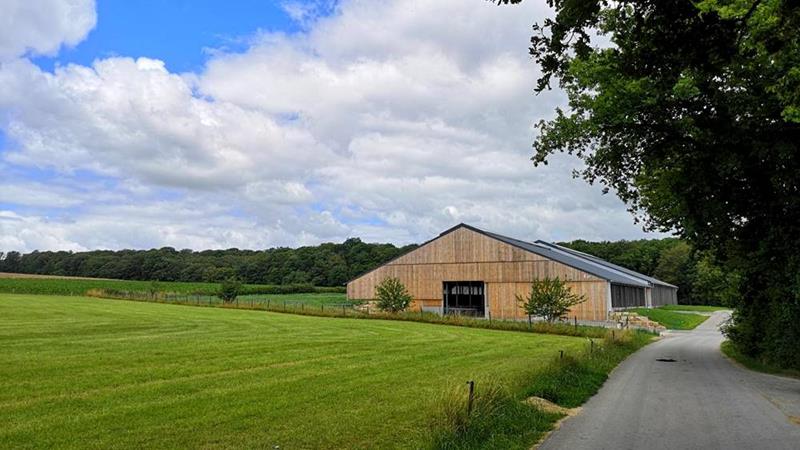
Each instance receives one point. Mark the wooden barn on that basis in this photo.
(470, 271)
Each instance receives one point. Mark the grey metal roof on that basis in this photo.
(585, 264)
(608, 264)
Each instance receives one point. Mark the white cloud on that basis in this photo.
(390, 120)
(43, 26)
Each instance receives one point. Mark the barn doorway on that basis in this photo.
(466, 298)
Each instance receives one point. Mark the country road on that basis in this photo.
(699, 401)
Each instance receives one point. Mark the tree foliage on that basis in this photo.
(322, 265)
(690, 113)
(549, 298)
(229, 290)
(392, 295)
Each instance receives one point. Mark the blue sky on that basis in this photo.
(175, 31)
(252, 124)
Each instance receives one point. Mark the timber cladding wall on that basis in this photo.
(466, 255)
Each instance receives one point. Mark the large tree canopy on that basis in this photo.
(690, 112)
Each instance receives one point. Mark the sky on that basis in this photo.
(254, 124)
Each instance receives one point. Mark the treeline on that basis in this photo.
(322, 265)
(700, 279)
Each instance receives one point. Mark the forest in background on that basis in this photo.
(698, 277)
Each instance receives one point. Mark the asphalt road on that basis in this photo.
(700, 401)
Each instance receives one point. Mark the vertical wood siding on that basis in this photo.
(465, 255)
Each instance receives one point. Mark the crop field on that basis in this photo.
(91, 373)
(53, 285)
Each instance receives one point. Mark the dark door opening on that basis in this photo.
(464, 298)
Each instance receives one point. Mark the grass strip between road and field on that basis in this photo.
(730, 350)
(503, 419)
(695, 308)
(672, 319)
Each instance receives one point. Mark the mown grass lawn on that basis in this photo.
(698, 308)
(672, 319)
(82, 372)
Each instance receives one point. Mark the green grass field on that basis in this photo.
(66, 286)
(672, 319)
(92, 373)
(698, 308)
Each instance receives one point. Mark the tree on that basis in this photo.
(392, 295)
(549, 298)
(690, 113)
(229, 290)
(675, 266)
(154, 288)
(12, 261)
(713, 286)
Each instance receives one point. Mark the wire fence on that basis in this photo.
(364, 310)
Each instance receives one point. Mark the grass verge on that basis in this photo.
(502, 419)
(672, 319)
(729, 350)
(697, 308)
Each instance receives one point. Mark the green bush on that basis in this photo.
(392, 295)
(229, 290)
(550, 298)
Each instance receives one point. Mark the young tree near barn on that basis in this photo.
(392, 295)
(691, 113)
(549, 298)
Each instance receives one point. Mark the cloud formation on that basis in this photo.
(41, 27)
(388, 120)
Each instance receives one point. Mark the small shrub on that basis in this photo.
(392, 295)
(154, 288)
(550, 298)
(229, 290)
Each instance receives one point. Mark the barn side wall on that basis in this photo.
(465, 255)
(664, 295)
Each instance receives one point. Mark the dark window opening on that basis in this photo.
(626, 296)
(464, 298)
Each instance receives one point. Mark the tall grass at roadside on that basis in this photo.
(498, 420)
(730, 350)
(571, 380)
(502, 419)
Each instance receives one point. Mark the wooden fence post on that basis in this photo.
(471, 397)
